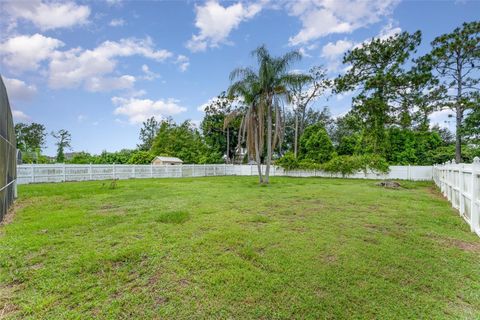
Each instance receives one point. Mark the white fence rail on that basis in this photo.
(39, 173)
(460, 184)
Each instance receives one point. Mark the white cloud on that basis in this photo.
(97, 84)
(18, 89)
(20, 115)
(183, 62)
(333, 52)
(444, 118)
(149, 75)
(48, 15)
(139, 110)
(388, 31)
(75, 67)
(202, 107)
(24, 52)
(117, 22)
(323, 17)
(81, 118)
(216, 22)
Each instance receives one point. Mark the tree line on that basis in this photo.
(266, 116)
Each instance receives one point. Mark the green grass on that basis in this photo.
(223, 247)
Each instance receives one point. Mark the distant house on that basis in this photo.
(166, 160)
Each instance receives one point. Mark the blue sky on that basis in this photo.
(99, 68)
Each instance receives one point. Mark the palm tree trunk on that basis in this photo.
(269, 141)
(228, 146)
(295, 143)
(257, 155)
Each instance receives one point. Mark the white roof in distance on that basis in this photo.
(168, 159)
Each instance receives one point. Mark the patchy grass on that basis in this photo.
(223, 247)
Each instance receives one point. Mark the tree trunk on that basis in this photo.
(295, 143)
(228, 146)
(269, 141)
(459, 115)
(257, 154)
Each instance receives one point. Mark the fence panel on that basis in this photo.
(39, 173)
(460, 184)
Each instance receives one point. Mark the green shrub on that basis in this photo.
(346, 165)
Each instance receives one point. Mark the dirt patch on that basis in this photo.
(388, 184)
(432, 190)
(329, 258)
(466, 246)
(459, 244)
(11, 213)
(7, 308)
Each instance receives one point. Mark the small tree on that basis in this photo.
(64, 139)
(315, 144)
(304, 90)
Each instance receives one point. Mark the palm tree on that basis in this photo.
(270, 84)
(252, 126)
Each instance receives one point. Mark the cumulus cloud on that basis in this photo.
(48, 15)
(18, 89)
(97, 84)
(20, 116)
(75, 67)
(139, 110)
(333, 52)
(183, 62)
(149, 75)
(25, 52)
(323, 17)
(215, 23)
(117, 22)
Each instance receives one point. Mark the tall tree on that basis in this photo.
(251, 131)
(180, 140)
(30, 137)
(377, 71)
(456, 58)
(273, 79)
(220, 127)
(304, 91)
(147, 133)
(64, 138)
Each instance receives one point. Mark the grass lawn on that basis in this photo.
(225, 247)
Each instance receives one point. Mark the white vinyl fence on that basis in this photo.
(39, 173)
(460, 184)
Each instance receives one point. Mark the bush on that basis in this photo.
(346, 165)
(141, 157)
(315, 144)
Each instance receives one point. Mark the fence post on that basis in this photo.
(193, 170)
(33, 173)
(475, 209)
(204, 169)
(151, 170)
(224, 169)
(64, 173)
(91, 171)
(133, 171)
(113, 171)
(461, 199)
